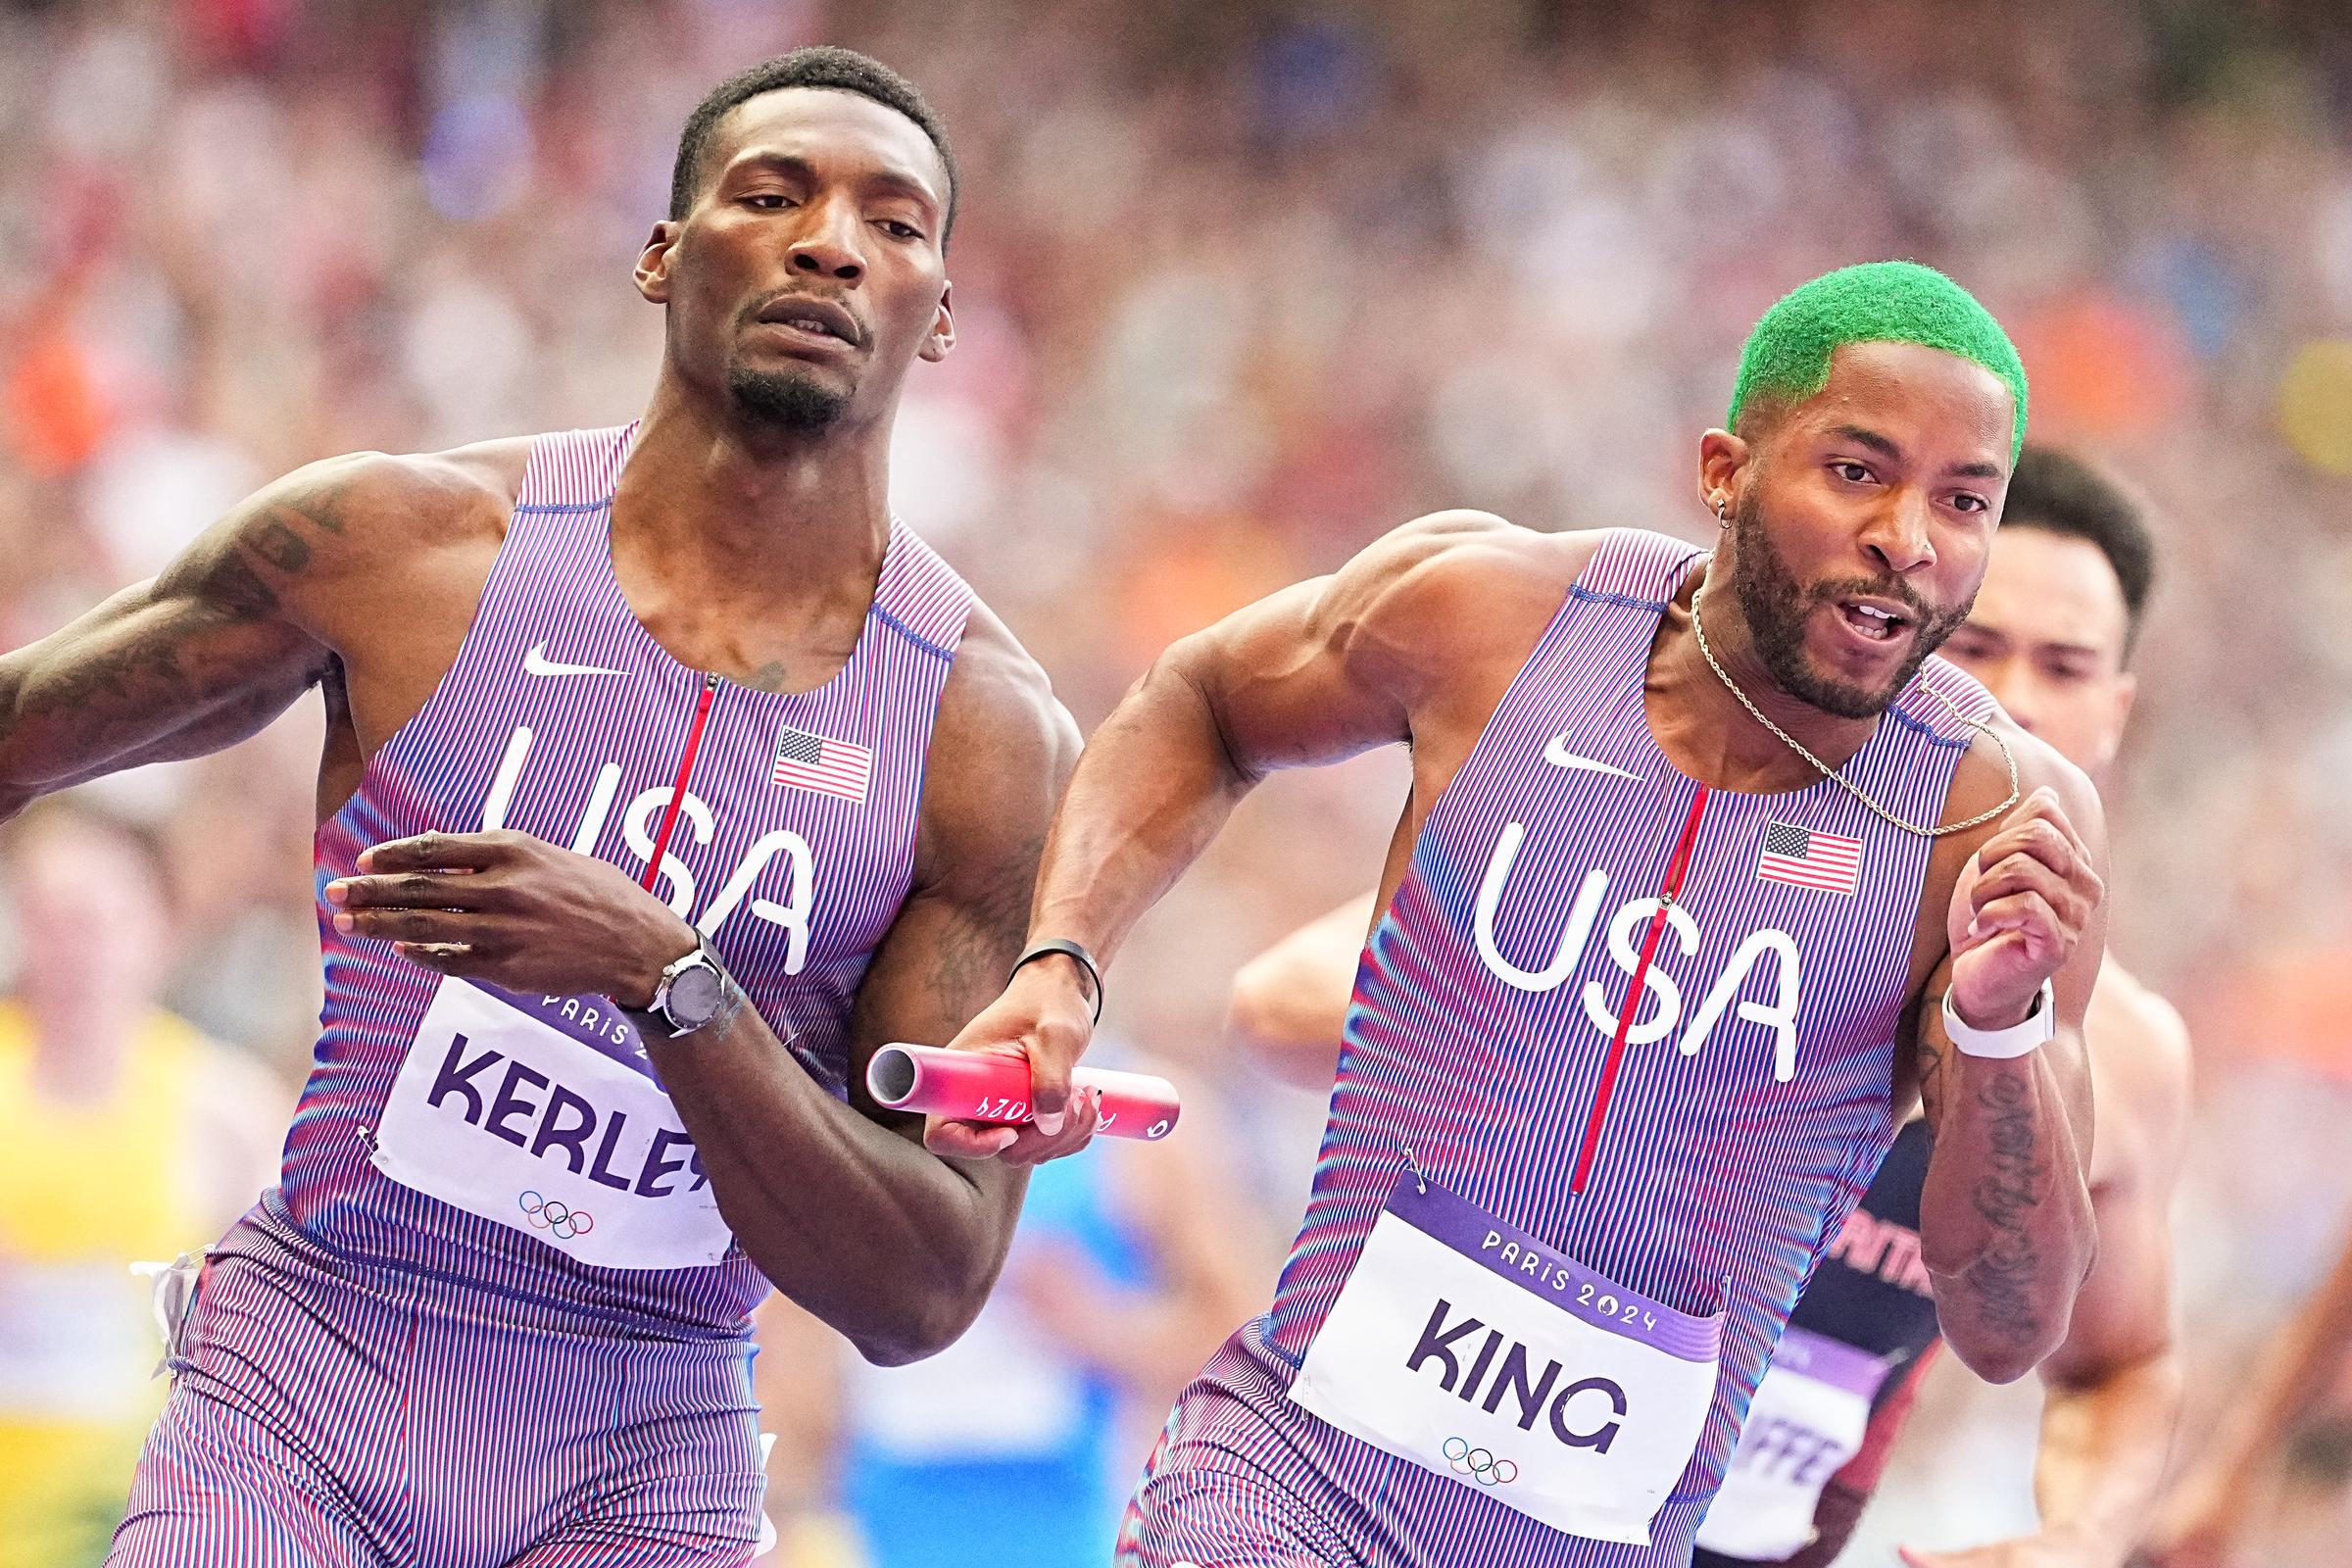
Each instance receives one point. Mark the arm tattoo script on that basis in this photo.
(2007, 1196)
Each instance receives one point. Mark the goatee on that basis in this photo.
(783, 399)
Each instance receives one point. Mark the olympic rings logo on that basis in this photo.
(556, 1216)
(1479, 1465)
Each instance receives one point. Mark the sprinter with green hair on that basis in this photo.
(1787, 355)
(1704, 857)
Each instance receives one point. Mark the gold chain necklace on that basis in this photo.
(1698, 628)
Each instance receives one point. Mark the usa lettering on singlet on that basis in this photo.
(524, 1140)
(1751, 1104)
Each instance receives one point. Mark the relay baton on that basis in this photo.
(980, 1086)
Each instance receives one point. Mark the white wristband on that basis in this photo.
(1999, 1045)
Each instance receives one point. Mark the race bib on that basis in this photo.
(542, 1114)
(1807, 1419)
(1471, 1348)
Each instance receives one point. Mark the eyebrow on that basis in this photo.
(889, 179)
(2049, 644)
(1863, 436)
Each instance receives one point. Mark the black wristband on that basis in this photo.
(1070, 949)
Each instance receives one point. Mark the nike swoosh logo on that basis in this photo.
(536, 662)
(1557, 753)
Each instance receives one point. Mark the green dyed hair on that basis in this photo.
(1788, 355)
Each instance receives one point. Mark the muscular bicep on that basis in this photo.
(185, 663)
(200, 657)
(1336, 665)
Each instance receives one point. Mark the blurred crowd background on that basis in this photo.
(1238, 286)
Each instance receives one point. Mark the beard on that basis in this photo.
(1776, 608)
(784, 399)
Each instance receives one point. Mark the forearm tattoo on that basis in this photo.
(2007, 1196)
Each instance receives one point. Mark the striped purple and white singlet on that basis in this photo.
(1749, 1110)
(564, 719)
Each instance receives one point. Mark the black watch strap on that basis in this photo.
(1070, 949)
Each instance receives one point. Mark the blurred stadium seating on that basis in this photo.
(1240, 286)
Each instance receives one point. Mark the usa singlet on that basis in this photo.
(492, 1312)
(1616, 1068)
(1823, 1423)
(792, 848)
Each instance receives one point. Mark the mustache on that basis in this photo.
(1894, 588)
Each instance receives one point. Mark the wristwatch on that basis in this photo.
(690, 993)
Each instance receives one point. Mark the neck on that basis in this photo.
(730, 505)
(1705, 728)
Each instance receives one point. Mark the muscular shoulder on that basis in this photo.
(1445, 588)
(1002, 748)
(377, 504)
(333, 539)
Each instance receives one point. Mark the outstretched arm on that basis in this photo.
(1321, 670)
(2006, 1228)
(192, 660)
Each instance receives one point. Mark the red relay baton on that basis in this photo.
(978, 1086)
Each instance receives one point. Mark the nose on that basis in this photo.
(1896, 538)
(826, 245)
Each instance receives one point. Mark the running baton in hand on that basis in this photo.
(979, 1086)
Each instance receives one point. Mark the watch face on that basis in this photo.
(693, 997)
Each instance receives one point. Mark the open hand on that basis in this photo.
(2019, 908)
(514, 910)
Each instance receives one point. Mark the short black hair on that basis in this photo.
(826, 66)
(2059, 493)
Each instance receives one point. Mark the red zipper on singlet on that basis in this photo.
(678, 791)
(1678, 869)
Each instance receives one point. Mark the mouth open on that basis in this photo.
(1874, 620)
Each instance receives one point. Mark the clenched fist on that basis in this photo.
(2018, 910)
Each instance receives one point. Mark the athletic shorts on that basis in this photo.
(327, 1413)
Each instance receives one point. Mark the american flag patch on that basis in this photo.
(1806, 857)
(806, 761)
